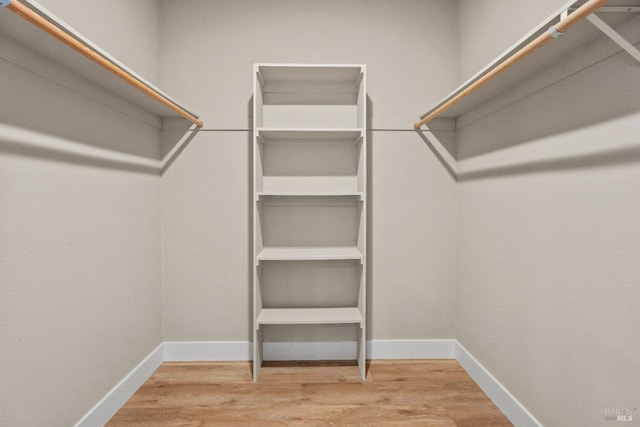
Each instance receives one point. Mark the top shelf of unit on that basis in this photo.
(24, 34)
(299, 84)
(554, 53)
(308, 73)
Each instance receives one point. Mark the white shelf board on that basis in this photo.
(283, 135)
(333, 73)
(581, 34)
(309, 316)
(262, 194)
(308, 253)
(31, 37)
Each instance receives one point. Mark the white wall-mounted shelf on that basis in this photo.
(309, 161)
(554, 52)
(31, 37)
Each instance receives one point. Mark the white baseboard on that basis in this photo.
(203, 351)
(500, 396)
(242, 351)
(411, 349)
(207, 351)
(118, 395)
(334, 350)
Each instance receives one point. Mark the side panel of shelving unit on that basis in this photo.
(362, 232)
(257, 231)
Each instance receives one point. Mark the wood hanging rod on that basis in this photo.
(553, 32)
(41, 22)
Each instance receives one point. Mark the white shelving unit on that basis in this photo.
(309, 226)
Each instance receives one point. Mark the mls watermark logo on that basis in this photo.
(619, 414)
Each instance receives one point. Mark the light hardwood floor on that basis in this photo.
(396, 393)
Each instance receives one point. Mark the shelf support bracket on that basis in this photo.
(614, 35)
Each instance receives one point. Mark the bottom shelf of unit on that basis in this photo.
(309, 316)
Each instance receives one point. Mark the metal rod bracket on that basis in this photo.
(553, 32)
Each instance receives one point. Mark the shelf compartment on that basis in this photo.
(313, 162)
(309, 316)
(328, 221)
(310, 284)
(306, 253)
(310, 84)
(309, 96)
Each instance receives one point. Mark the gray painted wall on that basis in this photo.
(80, 290)
(126, 29)
(549, 235)
(207, 52)
(487, 28)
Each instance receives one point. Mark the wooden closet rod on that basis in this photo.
(25, 12)
(553, 32)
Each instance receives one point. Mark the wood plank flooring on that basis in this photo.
(396, 393)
